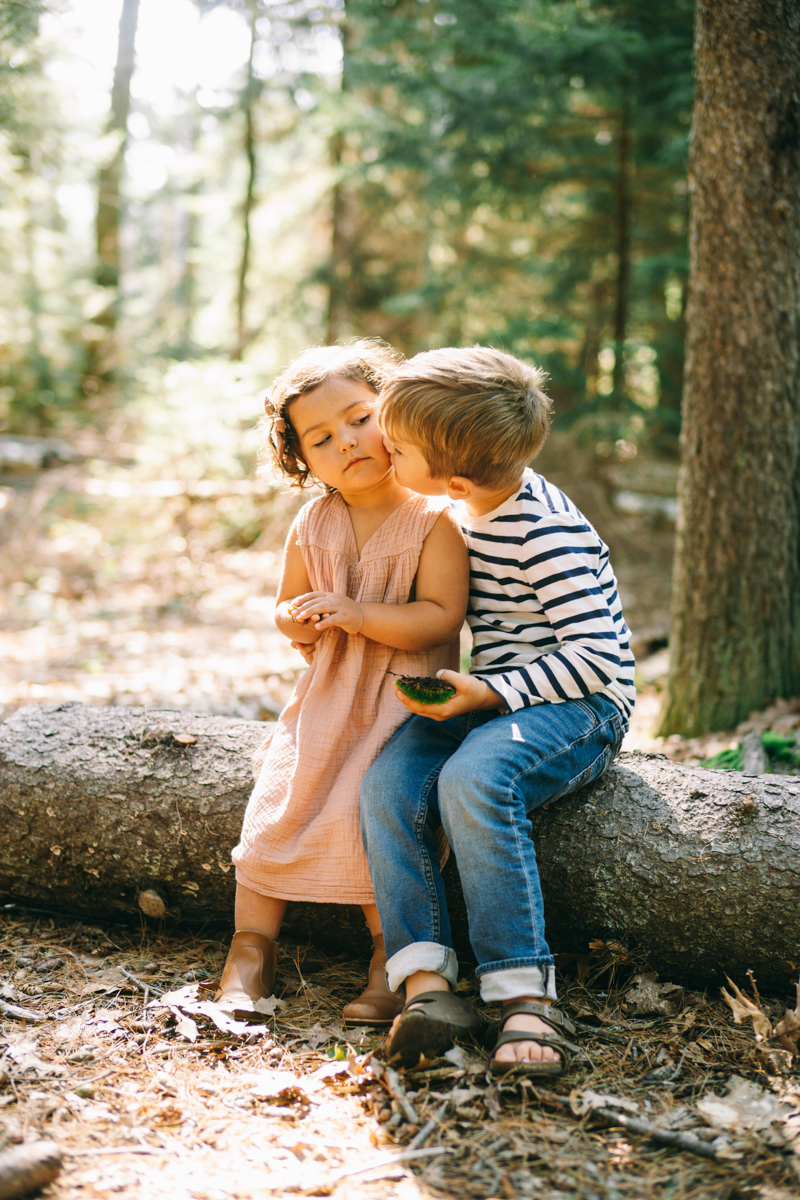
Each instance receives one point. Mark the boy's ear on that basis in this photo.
(459, 487)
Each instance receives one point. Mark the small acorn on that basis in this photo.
(425, 689)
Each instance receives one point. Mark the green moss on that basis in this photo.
(778, 747)
(426, 689)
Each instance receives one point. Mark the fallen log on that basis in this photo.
(112, 812)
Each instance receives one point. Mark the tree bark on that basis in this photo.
(623, 231)
(105, 811)
(101, 351)
(249, 97)
(736, 613)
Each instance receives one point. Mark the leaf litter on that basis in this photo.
(149, 1089)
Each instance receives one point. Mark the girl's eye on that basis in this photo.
(327, 438)
(363, 420)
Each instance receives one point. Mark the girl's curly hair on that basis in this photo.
(367, 360)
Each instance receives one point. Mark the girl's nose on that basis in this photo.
(348, 440)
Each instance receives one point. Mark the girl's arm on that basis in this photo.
(433, 618)
(294, 582)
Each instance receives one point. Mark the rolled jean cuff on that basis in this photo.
(422, 956)
(514, 982)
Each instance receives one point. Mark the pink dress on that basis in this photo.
(301, 838)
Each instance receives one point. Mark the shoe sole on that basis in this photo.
(418, 1036)
(531, 1069)
(363, 1022)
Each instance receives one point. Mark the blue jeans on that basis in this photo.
(478, 775)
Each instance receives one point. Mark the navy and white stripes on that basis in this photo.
(544, 610)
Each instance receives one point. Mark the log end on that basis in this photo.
(153, 901)
(28, 1168)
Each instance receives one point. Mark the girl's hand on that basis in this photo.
(328, 610)
(307, 649)
(471, 694)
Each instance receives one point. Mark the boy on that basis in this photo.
(541, 713)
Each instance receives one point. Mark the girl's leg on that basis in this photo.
(372, 918)
(251, 966)
(259, 914)
(376, 1005)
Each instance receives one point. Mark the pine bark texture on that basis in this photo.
(101, 351)
(700, 869)
(735, 639)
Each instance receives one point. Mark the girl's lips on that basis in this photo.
(353, 461)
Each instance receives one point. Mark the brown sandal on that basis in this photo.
(429, 1024)
(552, 1017)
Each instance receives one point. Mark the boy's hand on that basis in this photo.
(328, 610)
(471, 694)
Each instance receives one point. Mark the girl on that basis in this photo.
(376, 577)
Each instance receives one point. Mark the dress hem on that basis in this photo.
(333, 897)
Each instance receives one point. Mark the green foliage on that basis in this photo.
(505, 157)
(511, 172)
(779, 749)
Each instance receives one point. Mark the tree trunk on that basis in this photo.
(623, 222)
(249, 97)
(106, 811)
(736, 616)
(336, 323)
(101, 351)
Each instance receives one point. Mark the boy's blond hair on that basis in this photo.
(476, 412)
(365, 360)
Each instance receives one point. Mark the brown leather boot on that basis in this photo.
(248, 975)
(376, 1005)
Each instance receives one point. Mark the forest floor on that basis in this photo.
(125, 582)
(145, 1100)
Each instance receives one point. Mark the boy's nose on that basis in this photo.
(388, 445)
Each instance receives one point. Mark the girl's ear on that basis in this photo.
(459, 487)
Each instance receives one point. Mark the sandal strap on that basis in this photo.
(553, 1017)
(443, 1006)
(553, 1039)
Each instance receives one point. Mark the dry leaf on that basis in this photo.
(747, 1108)
(743, 1007)
(21, 1049)
(184, 1025)
(647, 997)
(787, 1031)
(582, 1102)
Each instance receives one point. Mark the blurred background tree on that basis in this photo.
(510, 172)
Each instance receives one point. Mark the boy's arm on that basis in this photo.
(566, 575)
(294, 582)
(433, 618)
(566, 581)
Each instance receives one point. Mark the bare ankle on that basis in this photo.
(425, 981)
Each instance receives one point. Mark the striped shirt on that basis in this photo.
(544, 608)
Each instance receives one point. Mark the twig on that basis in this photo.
(394, 1085)
(144, 987)
(388, 1161)
(667, 1137)
(419, 1139)
(22, 1014)
(95, 1150)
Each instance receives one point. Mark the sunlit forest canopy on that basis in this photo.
(278, 174)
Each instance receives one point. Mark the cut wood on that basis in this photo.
(103, 806)
(28, 1168)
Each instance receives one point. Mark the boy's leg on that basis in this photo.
(504, 770)
(399, 818)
